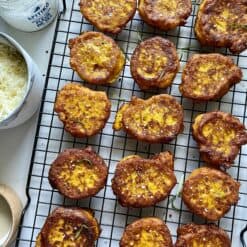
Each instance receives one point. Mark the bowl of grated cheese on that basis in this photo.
(20, 84)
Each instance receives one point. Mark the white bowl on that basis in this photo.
(32, 97)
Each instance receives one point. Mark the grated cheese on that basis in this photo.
(13, 80)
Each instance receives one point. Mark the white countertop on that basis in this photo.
(16, 144)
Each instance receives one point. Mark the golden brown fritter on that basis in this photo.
(148, 232)
(83, 111)
(96, 58)
(78, 173)
(142, 182)
(219, 136)
(108, 15)
(39, 241)
(158, 119)
(202, 235)
(154, 63)
(222, 23)
(209, 77)
(210, 193)
(69, 227)
(165, 14)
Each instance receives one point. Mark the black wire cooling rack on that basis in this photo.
(112, 146)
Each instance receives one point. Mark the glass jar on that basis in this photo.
(29, 15)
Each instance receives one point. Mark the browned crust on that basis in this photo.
(75, 217)
(212, 175)
(166, 21)
(68, 158)
(236, 36)
(231, 75)
(208, 153)
(75, 127)
(109, 69)
(151, 223)
(155, 47)
(202, 233)
(39, 241)
(163, 162)
(164, 158)
(162, 137)
(108, 19)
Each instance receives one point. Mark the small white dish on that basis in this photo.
(10, 213)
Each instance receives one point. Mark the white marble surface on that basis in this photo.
(16, 144)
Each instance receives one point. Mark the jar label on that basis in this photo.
(41, 15)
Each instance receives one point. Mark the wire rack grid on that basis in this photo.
(113, 146)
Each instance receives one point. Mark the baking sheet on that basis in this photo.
(113, 146)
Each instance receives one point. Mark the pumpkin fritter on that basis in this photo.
(78, 173)
(39, 241)
(210, 193)
(83, 111)
(158, 119)
(222, 23)
(96, 58)
(108, 15)
(142, 182)
(148, 232)
(202, 235)
(69, 227)
(219, 136)
(154, 63)
(165, 14)
(209, 77)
